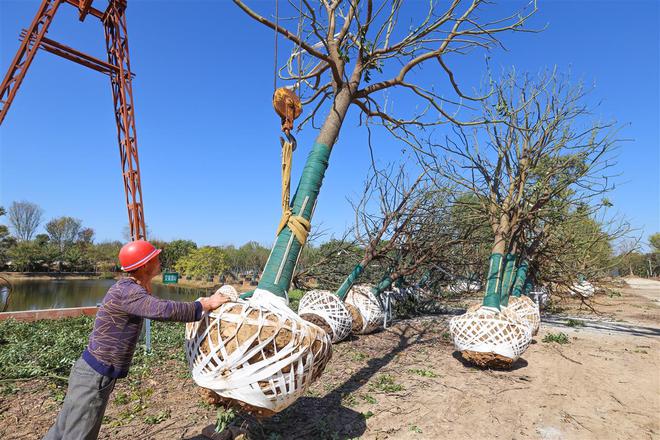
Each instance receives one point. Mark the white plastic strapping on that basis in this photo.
(488, 331)
(256, 351)
(327, 306)
(363, 299)
(527, 310)
(228, 291)
(582, 288)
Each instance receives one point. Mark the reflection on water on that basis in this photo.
(51, 294)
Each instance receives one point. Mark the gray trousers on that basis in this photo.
(84, 405)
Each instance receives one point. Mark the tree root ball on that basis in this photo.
(368, 306)
(490, 338)
(527, 310)
(256, 355)
(358, 322)
(324, 309)
(487, 360)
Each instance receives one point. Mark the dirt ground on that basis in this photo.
(407, 382)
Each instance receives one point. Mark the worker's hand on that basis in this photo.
(214, 301)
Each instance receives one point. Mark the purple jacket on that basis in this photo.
(119, 322)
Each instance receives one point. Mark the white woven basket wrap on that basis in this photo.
(582, 288)
(362, 298)
(331, 309)
(257, 351)
(228, 291)
(489, 331)
(528, 311)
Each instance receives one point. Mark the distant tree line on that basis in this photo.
(67, 245)
(643, 264)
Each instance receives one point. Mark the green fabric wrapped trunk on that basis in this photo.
(281, 264)
(349, 281)
(493, 286)
(507, 278)
(521, 279)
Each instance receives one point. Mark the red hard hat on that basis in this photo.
(136, 254)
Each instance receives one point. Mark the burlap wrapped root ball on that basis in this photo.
(257, 355)
(325, 309)
(365, 309)
(527, 310)
(490, 338)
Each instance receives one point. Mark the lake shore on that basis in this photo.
(158, 280)
(17, 276)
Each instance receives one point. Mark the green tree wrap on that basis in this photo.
(349, 281)
(383, 285)
(492, 297)
(529, 285)
(521, 278)
(507, 278)
(281, 263)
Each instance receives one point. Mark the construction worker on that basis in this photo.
(112, 343)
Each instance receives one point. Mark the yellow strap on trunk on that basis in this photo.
(299, 225)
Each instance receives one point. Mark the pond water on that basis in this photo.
(51, 294)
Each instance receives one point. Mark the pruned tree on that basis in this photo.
(25, 218)
(579, 244)
(541, 161)
(389, 203)
(326, 266)
(366, 55)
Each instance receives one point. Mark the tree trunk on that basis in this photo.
(507, 278)
(281, 264)
(521, 279)
(493, 283)
(349, 281)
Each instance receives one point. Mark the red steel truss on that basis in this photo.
(118, 67)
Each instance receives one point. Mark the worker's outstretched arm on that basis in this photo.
(138, 302)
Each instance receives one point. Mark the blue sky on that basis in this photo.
(208, 138)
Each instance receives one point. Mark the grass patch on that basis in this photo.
(574, 323)
(48, 349)
(385, 383)
(157, 418)
(224, 418)
(369, 399)
(559, 338)
(422, 372)
(357, 356)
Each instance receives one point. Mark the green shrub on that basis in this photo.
(559, 338)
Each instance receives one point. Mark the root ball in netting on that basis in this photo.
(257, 355)
(582, 288)
(228, 291)
(527, 310)
(489, 338)
(361, 301)
(325, 309)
